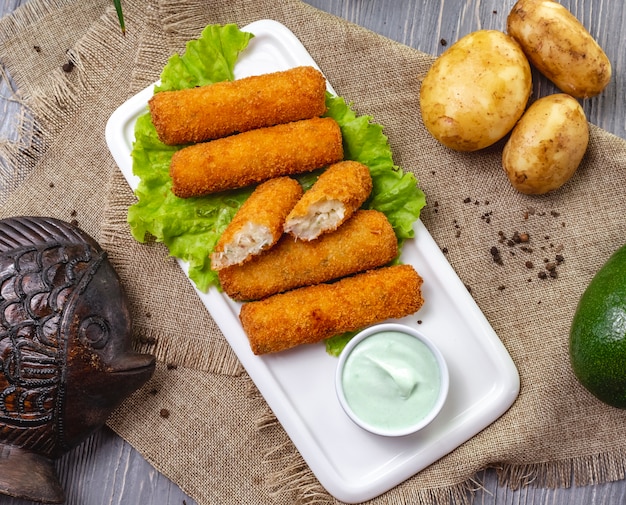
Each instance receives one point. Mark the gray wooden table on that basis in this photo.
(106, 470)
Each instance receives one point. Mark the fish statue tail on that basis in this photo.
(30, 476)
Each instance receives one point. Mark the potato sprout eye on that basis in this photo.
(94, 331)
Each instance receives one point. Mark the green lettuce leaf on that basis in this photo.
(206, 60)
(190, 227)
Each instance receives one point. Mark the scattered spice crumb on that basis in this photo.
(68, 67)
(501, 288)
(519, 238)
(164, 413)
(444, 250)
(443, 42)
(171, 366)
(154, 391)
(419, 321)
(148, 315)
(37, 48)
(520, 241)
(73, 213)
(467, 200)
(74, 222)
(495, 254)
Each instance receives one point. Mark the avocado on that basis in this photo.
(597, 344)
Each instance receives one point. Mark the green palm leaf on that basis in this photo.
(120, 15)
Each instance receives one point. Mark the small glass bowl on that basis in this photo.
(422, 421)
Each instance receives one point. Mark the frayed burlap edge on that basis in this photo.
(579, 471)
(45, 112)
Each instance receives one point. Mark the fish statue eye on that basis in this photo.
(94, 332)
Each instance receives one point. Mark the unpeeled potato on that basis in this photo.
(476, 91)
(547, 145)
(560, 47)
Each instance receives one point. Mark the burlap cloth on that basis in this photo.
(221, 443)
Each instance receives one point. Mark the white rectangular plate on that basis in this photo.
(354, 465)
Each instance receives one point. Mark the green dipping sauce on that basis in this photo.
(391, 380)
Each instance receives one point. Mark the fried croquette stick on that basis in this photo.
(258, 224)
(363, 242)
(336, 195)
(311, 314)
(255, 156)
(208, 112)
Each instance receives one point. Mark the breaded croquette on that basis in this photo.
(311, 314)
(255, 156)
(363, 242)
(337, 194)
(258, 224)
(216, 110)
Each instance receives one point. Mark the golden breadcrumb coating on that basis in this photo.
(336, 195)
(255, 156)
(258, 224)
(311, 314)
(363, 242)
(216, 110)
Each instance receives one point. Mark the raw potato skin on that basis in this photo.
(258, 224)
(255, 156)
(363, 242)
(560, 47)
(343, 187)
(476, 91)
(311, 314)
(208, 112)
(547, 145)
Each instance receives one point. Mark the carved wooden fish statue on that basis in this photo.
(65, 350)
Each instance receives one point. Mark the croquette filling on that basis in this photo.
(252, 239)
(322, 216)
